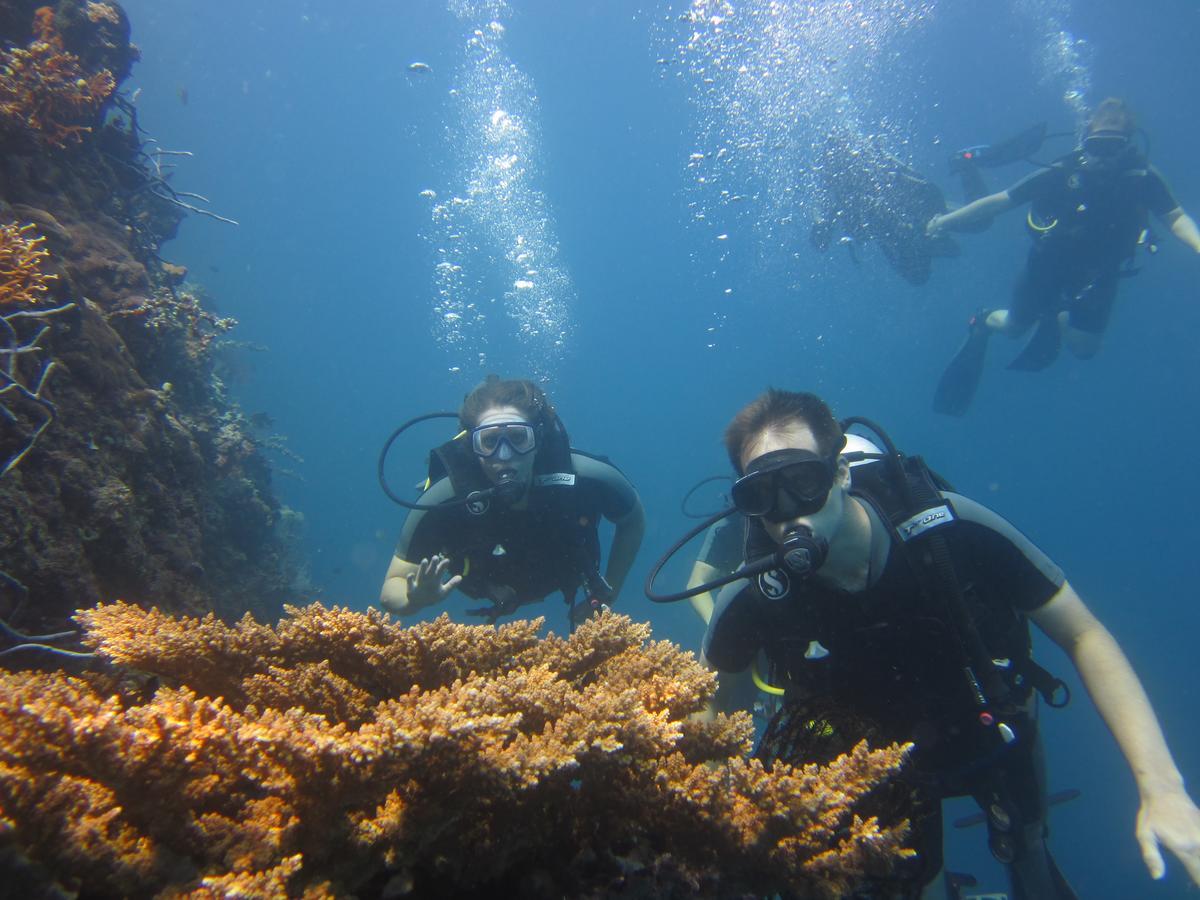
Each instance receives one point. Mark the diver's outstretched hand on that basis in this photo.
(425, 585)
(934, 226)
(1172, 820)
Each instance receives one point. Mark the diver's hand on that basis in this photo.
(425, 585)
(934, 226)
(588, 609)
(1170, 819)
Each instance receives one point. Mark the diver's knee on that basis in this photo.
(1081, 344)
(1003, 321)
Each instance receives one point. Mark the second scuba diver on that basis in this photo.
(869, 195)
(1089, 213)
(893, 609)
(511, 514)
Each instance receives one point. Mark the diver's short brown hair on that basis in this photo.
(778, 409)
(526, 396)
(1113, 114)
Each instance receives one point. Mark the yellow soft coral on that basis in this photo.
(340, 752)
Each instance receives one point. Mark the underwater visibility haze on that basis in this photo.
(616, 200)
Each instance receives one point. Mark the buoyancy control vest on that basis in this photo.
(1094, 210)
(941, 625)
(513, 556)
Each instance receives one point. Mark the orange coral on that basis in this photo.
(45, 91)
(351, 755)
(21, 255)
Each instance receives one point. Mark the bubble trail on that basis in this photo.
(494, 235)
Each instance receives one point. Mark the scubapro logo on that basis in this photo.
(925, 521)
(774, 584)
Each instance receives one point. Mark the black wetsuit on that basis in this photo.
(1086, 222)
(516, 556)
(889, 656)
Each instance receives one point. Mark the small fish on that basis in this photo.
(419, 68)
(183, 95)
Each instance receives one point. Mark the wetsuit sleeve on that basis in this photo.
(616, 495)
(1000, 560)
(733, 637)
(421, 537)
(1033, 186)
(723, 544)
(1159, 198)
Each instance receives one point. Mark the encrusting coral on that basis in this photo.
(340, 754)
(44, 89)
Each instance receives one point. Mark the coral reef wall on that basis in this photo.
(127, 472)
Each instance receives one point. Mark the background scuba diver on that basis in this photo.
(538, 533)
(872, 633)
(1088, 215)
(869, 195)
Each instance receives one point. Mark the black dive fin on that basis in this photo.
(1042, 348)
(958, 383)
(1014, 149)
(1055, 799)
(956, 881)
(973, 184)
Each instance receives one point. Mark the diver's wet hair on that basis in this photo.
(778, 409)
(1113, 114)
(526, 396)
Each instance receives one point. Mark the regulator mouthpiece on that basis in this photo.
(803, 552)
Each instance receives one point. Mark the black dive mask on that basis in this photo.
(1106, 150)
(784, 484)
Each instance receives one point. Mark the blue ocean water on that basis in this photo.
(671, 281)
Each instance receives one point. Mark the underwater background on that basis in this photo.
(615, 199)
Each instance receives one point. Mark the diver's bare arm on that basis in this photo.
(1167, 813)
(1183, 227)
(978, 210)
(627, 539)
(702, 573)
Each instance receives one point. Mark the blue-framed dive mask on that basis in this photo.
(784, 484)
(486, 440)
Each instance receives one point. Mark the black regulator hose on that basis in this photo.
(683, 504)
(473, 497)
(749, 570)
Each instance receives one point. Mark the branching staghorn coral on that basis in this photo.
(340, 753)
(45, 92)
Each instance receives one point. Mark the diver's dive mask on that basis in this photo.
(487, 440)
(784, 484)
(1106, 146)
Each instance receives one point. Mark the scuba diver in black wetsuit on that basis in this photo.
(892, 608)
(1089, 213)
(869, 195)
(511, 513)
